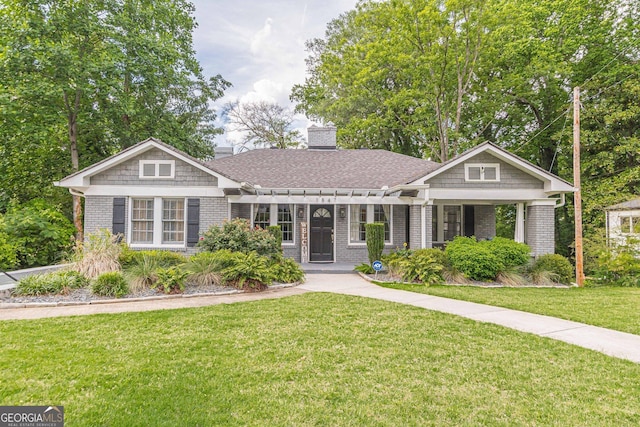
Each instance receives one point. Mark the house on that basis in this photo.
(623, 223)
(321, 197)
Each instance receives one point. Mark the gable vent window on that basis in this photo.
(482, 172)
(159, 169)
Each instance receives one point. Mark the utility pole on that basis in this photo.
(576, 183)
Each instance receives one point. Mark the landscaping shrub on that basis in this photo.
(364, 268)
(238, 236)
(111, 284)
(98, 254)
(171, 279)
(247, 271)
(39, 233)
(375, 240)
(421, 266)
(162, 258)
(509, 252)
(141, 272)
(276, 232)
(619, 266)
(474, 260)
(58, 282)
(286, 270)
(204, 269)
(557, 268)
(8, 255)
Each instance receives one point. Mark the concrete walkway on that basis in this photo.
(613, 343)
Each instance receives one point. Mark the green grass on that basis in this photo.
(609, 307)
(313, 359)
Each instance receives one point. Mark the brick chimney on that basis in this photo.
(222, 152)
(321, 137)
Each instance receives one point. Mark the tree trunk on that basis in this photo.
(72, 122)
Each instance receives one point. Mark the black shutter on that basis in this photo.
(193, 222)
(118, 215)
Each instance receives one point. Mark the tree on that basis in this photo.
(263, 123)
(84, 79)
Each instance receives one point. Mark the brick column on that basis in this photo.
(540, 226)
(428, 218)
(415, 232)
(485, 222)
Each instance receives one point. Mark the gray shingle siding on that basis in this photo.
(540, 229)
(127, 173)
(510, 177)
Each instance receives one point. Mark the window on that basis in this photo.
(630, 224)
(157, 221)
(434, 223)
(358, 219)
(172, 221)
(157, 168)
(262, 216)
(452, 222)
(285, 221)
(359, 215)
(482, 172)
(142, 221)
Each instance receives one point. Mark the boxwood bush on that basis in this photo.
(238, 236)
(475, 261)
(559, 268)
(509, 252)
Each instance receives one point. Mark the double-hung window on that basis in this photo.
(359, 215)
(265, 215)
(157, 221)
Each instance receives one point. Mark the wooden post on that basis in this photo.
(576, 182)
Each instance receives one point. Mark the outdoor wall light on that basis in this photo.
(343, 212)
(300, 213)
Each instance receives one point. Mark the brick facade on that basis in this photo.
(485, 222)
(540, 229)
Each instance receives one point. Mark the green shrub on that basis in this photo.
(375, 240)
(58, 282)
(111, 284)
(238, 236)
(98, 254)
(171, 279)
(475, 261)
(619, 266)
(204, 269)
(509, 252)
(40, 234)
(558, 267)
(8, 255)
(141, 272)
(364, 268)
(421, 266)
(286, 270)
(162, 258)
(276, 232)
(247, 271)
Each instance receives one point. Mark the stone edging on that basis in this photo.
(10, 305)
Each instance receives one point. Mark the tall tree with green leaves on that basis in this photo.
(82, 79)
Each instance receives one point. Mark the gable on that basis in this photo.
(510, 177)
(128, 172)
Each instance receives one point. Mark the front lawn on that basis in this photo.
(609, 307)
(313, 359)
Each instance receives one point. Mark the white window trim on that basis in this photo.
(467, 166)
(157, 225)
(440, 221)
(273, 218)
(369, 221)
(632, 218)
(156, 164)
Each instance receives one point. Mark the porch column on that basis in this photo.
(427, 226)
(415, 229)
(541, 227)
(519, 233)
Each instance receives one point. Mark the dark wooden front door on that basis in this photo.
(321, 236)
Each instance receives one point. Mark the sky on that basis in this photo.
(259, 46)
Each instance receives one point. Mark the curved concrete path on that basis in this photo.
(617, 344)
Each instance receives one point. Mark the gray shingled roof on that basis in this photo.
(360, 169)
(631, 204)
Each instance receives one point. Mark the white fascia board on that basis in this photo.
(486, 194)
(152, 191)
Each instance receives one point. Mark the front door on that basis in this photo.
(321, 236)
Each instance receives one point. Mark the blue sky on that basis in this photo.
(258, 45)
